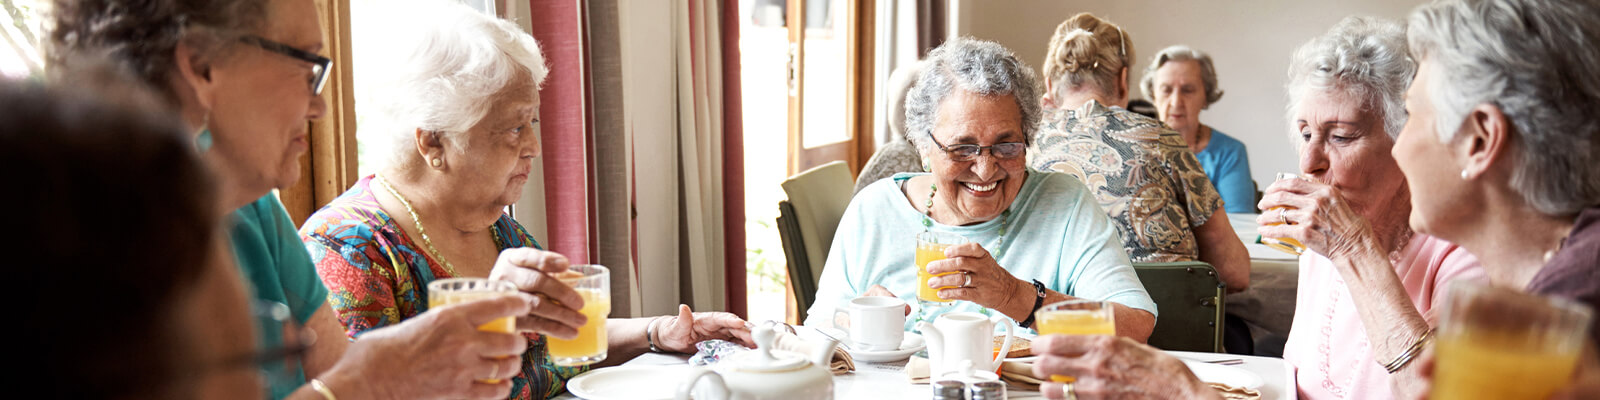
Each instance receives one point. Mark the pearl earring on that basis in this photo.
(436, 163)
(1463, 174)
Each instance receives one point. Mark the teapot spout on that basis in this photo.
(824, 353)
(935, 341)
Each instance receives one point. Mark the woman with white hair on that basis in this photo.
(1036, 237)
(460, 103)
(1182, 81)
(1367, 282)
(1502, 143)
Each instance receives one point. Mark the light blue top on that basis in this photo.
(1057, 234)
(275, 262)
(1227, 165)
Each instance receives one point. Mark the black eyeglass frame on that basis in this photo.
(955, 152)
(320, 65)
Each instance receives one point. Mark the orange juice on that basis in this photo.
(927, 253)
(1287, 245)
(1068, 321)
(502, 325)
(1480, 365)
(590, 345)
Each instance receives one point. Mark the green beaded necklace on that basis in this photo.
(927, 218)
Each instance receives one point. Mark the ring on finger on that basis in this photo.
(968, 283)
(495, 373)
(1068, 393)
(1283, 214)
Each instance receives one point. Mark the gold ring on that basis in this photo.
(1068, 393)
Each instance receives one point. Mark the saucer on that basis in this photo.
(908, 346)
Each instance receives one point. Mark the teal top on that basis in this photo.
(1227, 165)
(272, 258)
(1057, 234)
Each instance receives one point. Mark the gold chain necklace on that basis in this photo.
(416, 220)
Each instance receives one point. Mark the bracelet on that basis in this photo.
(650, 335)
(1038, 301)
(317, 385)
(1410, 353)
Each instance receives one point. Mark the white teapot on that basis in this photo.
(767, 374)
(964, 336)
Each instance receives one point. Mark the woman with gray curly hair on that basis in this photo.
(1368, 282)
(459, 103)
(1182, 82)
(1501, 144)
(1035, 237)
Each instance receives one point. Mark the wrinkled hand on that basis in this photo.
(1318, 216)
(879, 290)
(679, 334)
(439, 354)
(555, 305)
(990, 286)
(1415, 381)
(1113, 367)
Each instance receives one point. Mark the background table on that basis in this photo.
(1268, 306)
(886, 381)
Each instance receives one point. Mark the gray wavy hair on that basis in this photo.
(1364, 57)
(1208, 71)
(976, 66)
(1534, 60)
(441, 64)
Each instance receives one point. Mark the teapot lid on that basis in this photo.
(763, 359)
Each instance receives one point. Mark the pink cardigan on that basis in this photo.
(1328, 345)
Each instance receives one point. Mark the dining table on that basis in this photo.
(660, 374)
(1267, 307)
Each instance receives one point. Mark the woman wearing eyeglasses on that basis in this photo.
(244, 76)
(1036, 237)
(1143, 175)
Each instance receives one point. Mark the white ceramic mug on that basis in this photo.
(877, 323)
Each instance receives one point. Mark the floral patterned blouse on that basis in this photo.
(1140, 170)
(376, 277)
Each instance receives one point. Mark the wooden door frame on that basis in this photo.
(859, 81)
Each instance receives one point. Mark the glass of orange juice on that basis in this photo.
(445, 292)
(593, 283)
(1075, 317)
(930, 248)
(1496, 343)
(1287, 245)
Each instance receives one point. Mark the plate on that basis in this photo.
(1227, 375)
(626, 382)
(908, 346)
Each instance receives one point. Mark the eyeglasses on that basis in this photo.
(319, 64)
(968, 152)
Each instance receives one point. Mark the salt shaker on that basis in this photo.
(949, 390)
(990, 390)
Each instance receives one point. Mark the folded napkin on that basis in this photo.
(917, 370)
(787, 341)
(1234, 393)
(1019, 375)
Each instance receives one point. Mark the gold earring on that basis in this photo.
(436, 163)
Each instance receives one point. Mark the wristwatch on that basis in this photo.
(1038, 301)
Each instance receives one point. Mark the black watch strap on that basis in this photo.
(1038, 301)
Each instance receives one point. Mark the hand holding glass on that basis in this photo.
(593, 283)
(1495, 343)
(1075, 317)
(930, 248)
(1287, 245)
(445, 292)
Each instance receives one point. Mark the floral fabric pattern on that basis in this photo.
(1141, 172)
(376, 277)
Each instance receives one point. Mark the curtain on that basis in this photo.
(698, 59)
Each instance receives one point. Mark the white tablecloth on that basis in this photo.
(1268, 306)
(887, 381)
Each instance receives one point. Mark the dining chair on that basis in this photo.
(1189, 296)
(806, 222)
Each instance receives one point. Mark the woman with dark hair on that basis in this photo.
(244, 75)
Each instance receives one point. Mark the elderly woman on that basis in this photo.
(244, 77)
(1036, 238)
(1182, 81)
(1368, 282)
(1150, 184)
(1503, 155)
(460, 105)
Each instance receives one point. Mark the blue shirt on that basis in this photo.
(1056, 234)
(1227, 165)
(272, 258)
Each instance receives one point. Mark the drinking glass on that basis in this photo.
(1075, 317)
(930, 248)
(445, 292)
(593, 283)
(1496, 343)
(1287, 245)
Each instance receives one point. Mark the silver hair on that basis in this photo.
(976, 66)
(1208, 71)
(438, 65)
(1363, 57)
(1534, 60)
